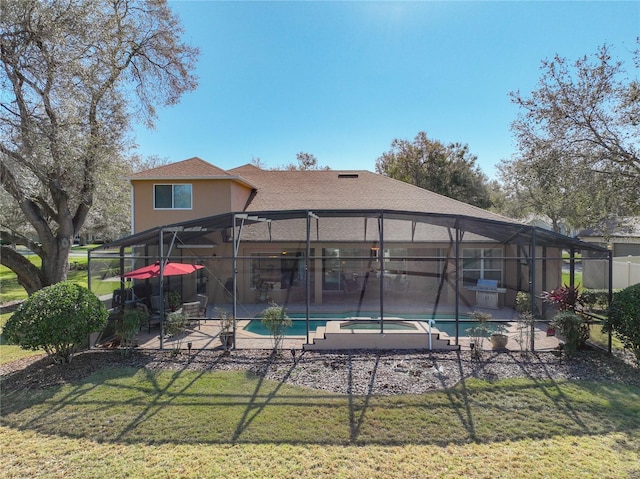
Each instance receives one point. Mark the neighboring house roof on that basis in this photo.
(625, 228)
(347, 190)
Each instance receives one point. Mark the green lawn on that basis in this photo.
(566, 278)
(123, 422)
(10, 290)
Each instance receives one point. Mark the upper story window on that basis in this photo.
(172, 197)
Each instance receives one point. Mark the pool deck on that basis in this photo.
(207, 337)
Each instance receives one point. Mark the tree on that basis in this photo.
(448, 170)
(74, 75)
(55, 319)
(578, 135)
(306, 162)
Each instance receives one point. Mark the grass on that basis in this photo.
(566, 279)
(11, 352)
(11, 290)
(123, 422)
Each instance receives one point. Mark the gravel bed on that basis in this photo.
(361, 372)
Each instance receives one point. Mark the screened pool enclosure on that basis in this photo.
(377, 264)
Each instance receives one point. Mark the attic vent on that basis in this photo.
(348, 175)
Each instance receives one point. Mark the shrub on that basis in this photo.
(624, 318)
(174, 298)
(175, 323)
(128, 326)
(523, 302)
(524, 325)
(480, 331)
(572, 328)
(596, 300)
(55, 319)
(275, 319)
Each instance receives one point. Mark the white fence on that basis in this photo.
(626, 271)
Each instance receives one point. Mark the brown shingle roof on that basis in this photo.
(191, 168)
(352, 189)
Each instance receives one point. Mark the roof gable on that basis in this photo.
(191, 168)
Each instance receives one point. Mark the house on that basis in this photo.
(333, 240)
(623, 240)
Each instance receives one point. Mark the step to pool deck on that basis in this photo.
(333, 336)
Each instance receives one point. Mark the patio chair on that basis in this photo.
(203, 299)
(192, 312)
(152, 319)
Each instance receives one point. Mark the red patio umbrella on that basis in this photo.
(170, 269)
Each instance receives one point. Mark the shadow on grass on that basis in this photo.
(225, 404)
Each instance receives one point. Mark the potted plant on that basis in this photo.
(499, 337)
(174, 299)
(227, 327)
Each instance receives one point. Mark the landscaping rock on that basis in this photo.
(360, 372)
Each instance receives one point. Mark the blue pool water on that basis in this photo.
(444, 324)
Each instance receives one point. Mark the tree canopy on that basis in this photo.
(449, 170)
(74, 76)
(578, 135)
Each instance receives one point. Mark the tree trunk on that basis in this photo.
(55, 264)
(55, 259)
(29, 276)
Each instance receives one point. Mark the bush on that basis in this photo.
(572, 328)
(596, 300)
(480, 331)
(127, 327)
(175, 323)
(624, 318)
(523, 302)
(55, 319)
(276, 320)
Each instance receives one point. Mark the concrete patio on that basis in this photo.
(207, 337)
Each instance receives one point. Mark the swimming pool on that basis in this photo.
(445, 324)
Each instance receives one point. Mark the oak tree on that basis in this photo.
(73, 77)
(578, 135)
(449, 170)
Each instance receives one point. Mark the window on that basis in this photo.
(172, 197)
(281, 270)
(481, 263)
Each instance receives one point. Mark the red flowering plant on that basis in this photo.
(567, 298)
(568, 320)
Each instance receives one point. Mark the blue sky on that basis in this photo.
(341, 80)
